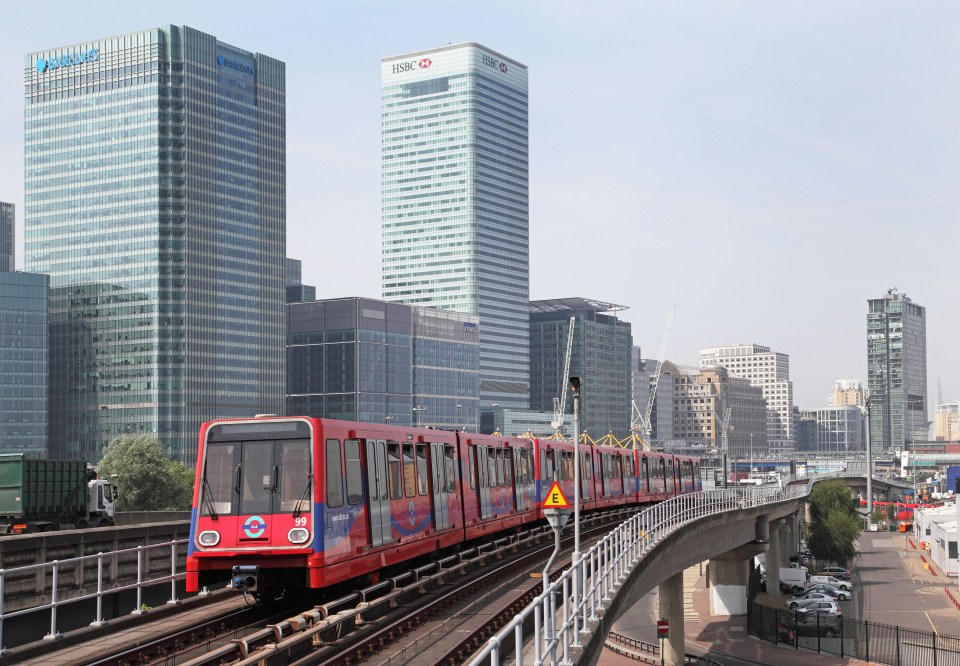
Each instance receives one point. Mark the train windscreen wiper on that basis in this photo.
(303, 497)
(205, 489)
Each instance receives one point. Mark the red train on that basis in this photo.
(298, 501)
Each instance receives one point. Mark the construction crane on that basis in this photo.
(724, 427)
(640, 421)
(560, 402)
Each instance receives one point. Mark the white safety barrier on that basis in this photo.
(55, 567)
(608, 564)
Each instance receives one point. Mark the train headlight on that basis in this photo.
(298, 535)
(209, 538)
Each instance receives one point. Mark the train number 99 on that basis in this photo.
(300, 522)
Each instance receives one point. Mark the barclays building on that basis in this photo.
(155, 201)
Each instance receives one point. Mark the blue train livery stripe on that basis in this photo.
(191, 549)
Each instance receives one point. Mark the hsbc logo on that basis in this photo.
(490, 61)
(412, 65)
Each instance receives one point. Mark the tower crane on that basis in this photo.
(642, 421)
(560, 402)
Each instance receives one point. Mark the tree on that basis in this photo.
(144, 478)
(835, 524)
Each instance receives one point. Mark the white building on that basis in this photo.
(768, 370)
(943, 545)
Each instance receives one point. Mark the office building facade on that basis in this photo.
(896, 371)
(601, 356)
(24, 363)
(7, 249)
(946, 422)
(155, 201)
(369, 360)
(841, 429)
(455, 187)
(768, 370)
(847, 392)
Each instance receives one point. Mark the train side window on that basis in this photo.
(354, 476)
(508, 470)
(569, 458)
(422, 468)
(471, 465)
(500, 475)
(409, 471)
(393, 470)
(334, 474)
(451, 469)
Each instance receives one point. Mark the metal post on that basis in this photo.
(99, 621)
(54, 634)
(139, 609)
(575, 557)
(3, 650)
(870, 470)
(173, 573)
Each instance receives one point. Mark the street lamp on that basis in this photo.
(416, 413)
(575, 558)
(751, 455)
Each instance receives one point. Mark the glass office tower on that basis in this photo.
(896, 372)
(23, 363)
(456, 200)
(155, 200)
(6, 236)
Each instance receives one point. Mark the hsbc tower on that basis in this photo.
(455, 200)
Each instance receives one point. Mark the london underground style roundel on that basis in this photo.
(254, 526)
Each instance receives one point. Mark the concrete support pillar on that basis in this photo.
(728, 586)
(671, 609)
(775, 557)
(787, 548)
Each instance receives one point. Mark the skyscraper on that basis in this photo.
(770, 371)
(456, 200)
(155, 200)
(7, 253)
(896, 371)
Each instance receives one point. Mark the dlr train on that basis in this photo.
(283, 502)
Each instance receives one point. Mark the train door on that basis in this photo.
(441, 488)
(378, 498)
(519, 499)
(272, 478)
(586, 476)
(485, 480)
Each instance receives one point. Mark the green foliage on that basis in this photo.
(835, 525)
(144, 478)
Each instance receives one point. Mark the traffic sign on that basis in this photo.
(663, 628)
(555, 498)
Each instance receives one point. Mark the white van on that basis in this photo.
(830, 580)
(795, 579)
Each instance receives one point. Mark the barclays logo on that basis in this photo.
(48, 64)
(241, 67)
(469, 327)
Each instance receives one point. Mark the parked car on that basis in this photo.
(836, 572)
(802, 600)
(830, 580)
(800, 558)
(809, 624)
(823, 588)
(828, 607)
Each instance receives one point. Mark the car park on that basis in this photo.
(803, 600)
(823, 588)
(830, 580)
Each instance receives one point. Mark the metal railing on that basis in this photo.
(607, 564)
(56, 567)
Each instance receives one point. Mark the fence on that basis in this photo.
(847, 637)
(159, 569)
(559, 617)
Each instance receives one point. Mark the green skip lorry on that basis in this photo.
(39, 495)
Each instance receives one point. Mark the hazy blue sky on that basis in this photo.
(764, 166)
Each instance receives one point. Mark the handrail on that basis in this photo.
(610, 562)
(55, 603)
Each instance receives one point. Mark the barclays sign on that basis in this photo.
(242, 67)
(47, 64)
